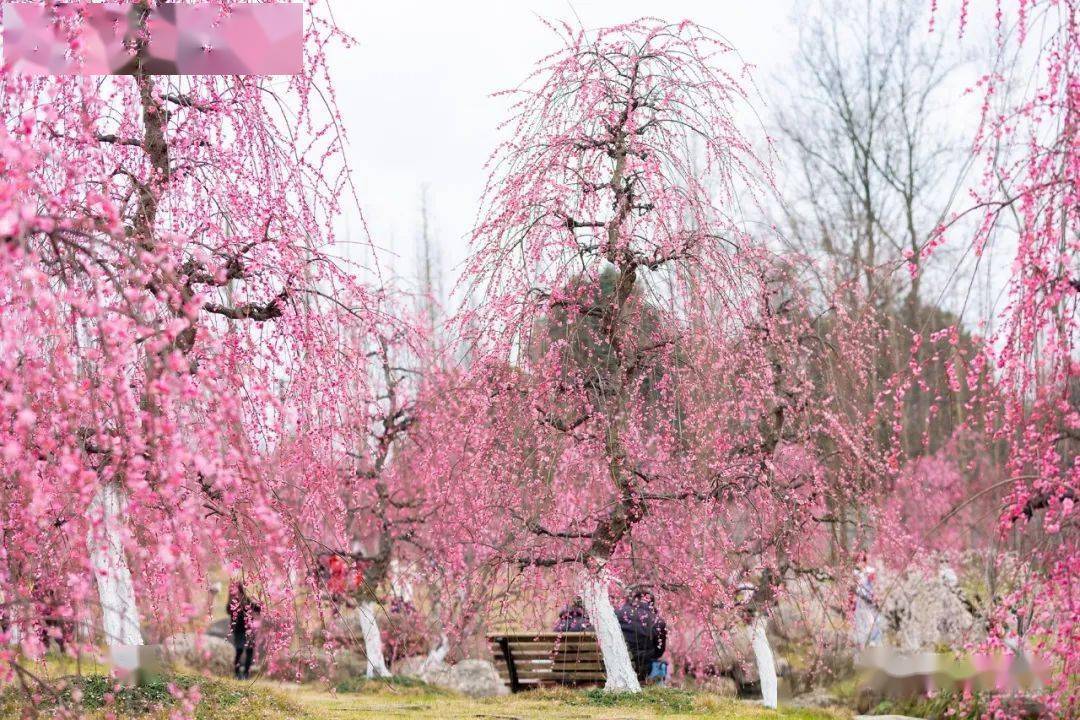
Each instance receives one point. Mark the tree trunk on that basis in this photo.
(437, 655)
(620, 671)
(369, 628)
(116, 592)
(763, 654)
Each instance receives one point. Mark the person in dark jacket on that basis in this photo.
(573, 618)
(645, 631)
(52, 624)
(243, 617)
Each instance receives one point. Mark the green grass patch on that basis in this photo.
(94, 696)
(363, 684)
(663, 699)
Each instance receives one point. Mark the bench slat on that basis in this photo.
(527, 660)
(525, 670)
(560, 647)
(551, 654)
(576, 635)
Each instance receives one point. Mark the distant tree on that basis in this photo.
(873, 163)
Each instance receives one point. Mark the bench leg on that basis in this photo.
(511, 667)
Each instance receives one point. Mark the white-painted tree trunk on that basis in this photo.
(116, 592)
(437, 655)
(400, 582)
(763, 655)
(369, 628)
(620, 671)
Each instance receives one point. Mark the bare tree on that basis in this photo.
(862, 129)
(429, 266)
(874, 160)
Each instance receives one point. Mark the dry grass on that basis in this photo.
(391, 701)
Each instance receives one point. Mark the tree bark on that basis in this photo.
(369, 628)
(116, 592)
(620, 671)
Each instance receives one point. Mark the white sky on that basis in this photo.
(415, 94)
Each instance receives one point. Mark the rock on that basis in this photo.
(477, 678)
(438, 675)
(868, 696)
(421, 668)
(925, 610)
(802, 613)
(816, 698)
(220, 629)
(204, 652)
(412, 666)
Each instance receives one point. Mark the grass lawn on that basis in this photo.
(390, 700)
(224, 699)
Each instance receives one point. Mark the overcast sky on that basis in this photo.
(416, 92)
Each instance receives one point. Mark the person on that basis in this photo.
(52, 625)
(645, 632)
(867, 616)
(243, 619)
(573, 618)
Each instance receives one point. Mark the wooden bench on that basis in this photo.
(531, 660)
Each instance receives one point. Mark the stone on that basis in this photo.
(220, 629)
(203, 652)
(438, 675)
(802, 613)
(816, 698)
(868, 696)
(476, 678)
(417, 666)
(925, 610)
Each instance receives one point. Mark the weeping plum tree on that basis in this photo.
(652, 390)
(386, 504)
(169, 315)
(1029, 140)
